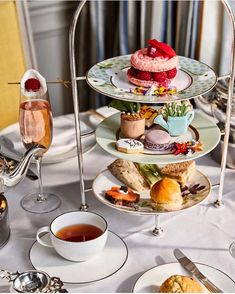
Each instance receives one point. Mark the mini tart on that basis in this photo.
(129, 146)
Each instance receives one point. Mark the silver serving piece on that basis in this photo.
(32, 282)
(10, 176)
(192, 268)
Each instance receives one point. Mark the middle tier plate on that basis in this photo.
(207, 133)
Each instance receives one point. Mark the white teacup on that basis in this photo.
(75, 251)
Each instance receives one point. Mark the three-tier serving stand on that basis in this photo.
(74, 79)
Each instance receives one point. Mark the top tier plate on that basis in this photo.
(109, 77)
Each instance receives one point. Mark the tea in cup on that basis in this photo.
(76, 235)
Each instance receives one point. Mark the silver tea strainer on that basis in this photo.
(33, 281)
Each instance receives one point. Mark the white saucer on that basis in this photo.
(112, 259)
(151, 280)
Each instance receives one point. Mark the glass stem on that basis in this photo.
(40, 197)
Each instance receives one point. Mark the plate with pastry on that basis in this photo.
(151, 189)
(201, 137)
(172, 278)
(154, 74)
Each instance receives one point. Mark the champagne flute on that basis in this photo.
(36, 128)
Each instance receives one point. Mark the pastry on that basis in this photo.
(123, 196)
(126, 172)
(155, 65)
(180, 284)
(181, 172)
(149, 114)
(166, 194)
(157, 140)
(132, 125)
(129, 146)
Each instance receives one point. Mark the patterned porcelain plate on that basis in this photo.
(199, 188)
(109, 78)
(207, 132)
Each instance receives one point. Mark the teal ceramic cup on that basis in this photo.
(175, 125)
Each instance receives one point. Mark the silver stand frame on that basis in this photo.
(231, 76)
(75, 79)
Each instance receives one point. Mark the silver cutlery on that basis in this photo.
(192, 268)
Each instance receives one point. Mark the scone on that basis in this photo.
(180, 284)
(166, 194)
(155, 65)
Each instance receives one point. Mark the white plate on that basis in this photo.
(7, 148)
(112, 259)
(105, 180)
(151, 280)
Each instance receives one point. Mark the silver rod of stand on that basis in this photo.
(72, 61)
(229, 104)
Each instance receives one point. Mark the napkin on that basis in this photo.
(104, 111)
(63, 136)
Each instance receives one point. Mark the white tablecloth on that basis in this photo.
(204, 233)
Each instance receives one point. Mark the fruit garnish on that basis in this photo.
(132, 71)
(159, 76)
(171, 73)
(166, 50)
(186, 148)
(144, 75)
(32, 85)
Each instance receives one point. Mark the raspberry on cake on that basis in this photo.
(155, 65)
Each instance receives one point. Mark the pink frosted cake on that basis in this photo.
(155, 65)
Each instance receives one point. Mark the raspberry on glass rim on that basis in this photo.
(32, 85)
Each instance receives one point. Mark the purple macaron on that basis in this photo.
(157, 140)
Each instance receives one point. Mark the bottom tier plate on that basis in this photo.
(105, 180)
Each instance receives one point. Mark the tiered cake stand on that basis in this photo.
(109, 78)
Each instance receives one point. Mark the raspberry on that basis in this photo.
(159, 76)
(171, 73)
(132, 72)
(144, 75)
(32, 85)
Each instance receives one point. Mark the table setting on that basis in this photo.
(101, 232)
(205, 239)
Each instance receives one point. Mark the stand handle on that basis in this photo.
(74, 80)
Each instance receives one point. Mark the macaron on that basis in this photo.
(157, 140)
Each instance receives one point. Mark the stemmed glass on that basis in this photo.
(36, 128)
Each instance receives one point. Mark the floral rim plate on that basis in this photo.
(209, 136)
(199, 188)
(150, 281)
(109, 77)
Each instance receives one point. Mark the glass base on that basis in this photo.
(232, 249)
(31, 203)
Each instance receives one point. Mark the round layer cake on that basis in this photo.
(155, 65)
